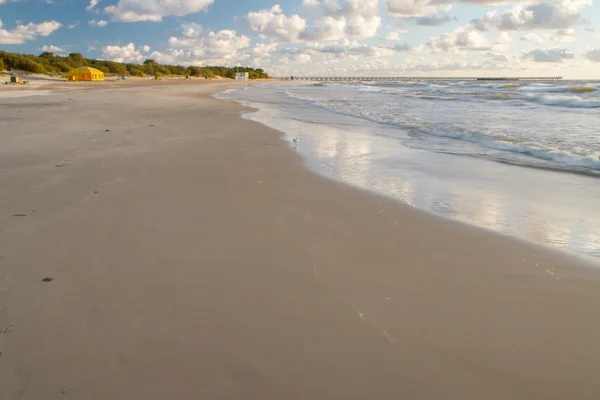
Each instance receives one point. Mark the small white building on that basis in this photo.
(241, 76)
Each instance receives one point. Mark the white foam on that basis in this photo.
(564, 101)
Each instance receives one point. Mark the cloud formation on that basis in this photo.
(415, 8)
(335, 21)
(128, 53)
(555, 55)
(154, 10)
(24, 33)
(52, 49)
(554, 15)
(431, 20)
(99, 24)
(272, 22)
(463, 38)
(199, 46)
(593, 55)
(93, 3)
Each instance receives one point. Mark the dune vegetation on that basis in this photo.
(50, 63)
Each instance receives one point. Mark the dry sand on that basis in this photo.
(194, 257)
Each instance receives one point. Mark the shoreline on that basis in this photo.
(194, 254)
(365, 154)
(585, 260)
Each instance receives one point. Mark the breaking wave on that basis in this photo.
(564, 101)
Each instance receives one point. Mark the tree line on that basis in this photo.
(50, 63)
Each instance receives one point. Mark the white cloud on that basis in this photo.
(415, 8)
(555, 55)
(463, 38)
(263, 50)
(431, 20)
(199, 46)
(127, 54)
(359, 26)
(52, 49)
(556, 15)
(24, 33)
(154, 10)
(503, 43)
(99, 24)
(91, 48)
(93, 3)
(563, 35)
(351, 18)
(327, 28)
(532, 37)
(593, 55)
(73, 25)
(346, 48)
(302, 59)
(272, 22)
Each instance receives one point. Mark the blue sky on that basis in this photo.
(320, 37)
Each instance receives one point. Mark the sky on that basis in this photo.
(320, 37)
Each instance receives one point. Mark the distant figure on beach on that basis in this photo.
(295, 140)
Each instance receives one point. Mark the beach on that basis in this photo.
(190, 253)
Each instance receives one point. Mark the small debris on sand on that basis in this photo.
(47, 279)
(95, 191)
(19, 215)
(60, 165)
(108, 130)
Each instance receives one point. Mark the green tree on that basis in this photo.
(62, 66)
(2, 66)
(116, 68)
(29, 65)
(48, 62)
(76, 60)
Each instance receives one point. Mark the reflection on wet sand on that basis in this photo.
(560, 209)
(420, 179)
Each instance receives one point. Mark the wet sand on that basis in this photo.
(193, 255)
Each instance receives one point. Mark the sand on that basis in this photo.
(193, 256)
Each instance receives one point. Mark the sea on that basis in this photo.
(520, 158)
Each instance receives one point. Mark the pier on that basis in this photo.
(420, 78)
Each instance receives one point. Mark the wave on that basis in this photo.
(558, 89)
(430, 97)
(564, 101)
(581, 89)
(503, 96)
(564, 158)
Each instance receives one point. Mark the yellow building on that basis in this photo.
(85, 74)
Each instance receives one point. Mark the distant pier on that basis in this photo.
(420, 78)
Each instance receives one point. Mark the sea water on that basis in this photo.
(519, 158)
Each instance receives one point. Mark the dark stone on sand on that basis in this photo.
(108, 130)
(95, 191)
(19, 215)
(60, 165)
(47, 279)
